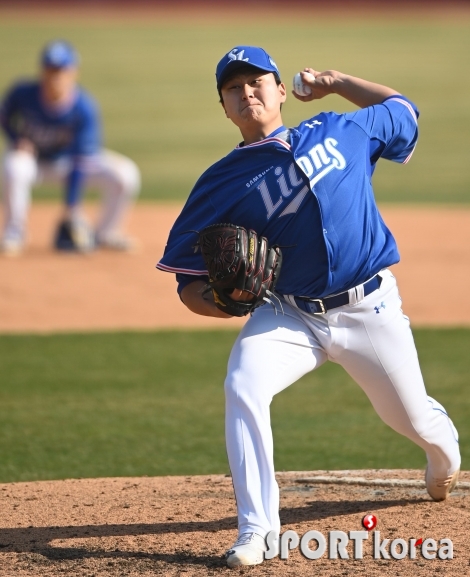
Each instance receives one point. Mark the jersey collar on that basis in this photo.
(280, 135)
(59, 109)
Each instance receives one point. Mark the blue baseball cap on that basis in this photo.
(242, 56)
(59, 54)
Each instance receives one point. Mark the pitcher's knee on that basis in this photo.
(230, 387)
(241, 389)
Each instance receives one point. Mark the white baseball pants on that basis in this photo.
(116, 176)
(275, 350)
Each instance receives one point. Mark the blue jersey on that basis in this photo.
(307, 189)
(72, 131)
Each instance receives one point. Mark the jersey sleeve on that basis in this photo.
(184, 279)
(85, 148)
(87, 138)
(392, 127)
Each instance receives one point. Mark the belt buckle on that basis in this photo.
(322, 306)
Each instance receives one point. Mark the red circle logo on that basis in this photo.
(369, 522)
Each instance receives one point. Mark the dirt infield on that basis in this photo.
(44, 291)
(180, 526)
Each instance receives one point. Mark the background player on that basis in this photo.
(308, 189)
(54, 135)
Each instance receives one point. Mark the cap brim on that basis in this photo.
(236, 64)
(57, 66)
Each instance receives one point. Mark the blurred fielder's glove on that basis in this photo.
(239, 259)
(74, 235)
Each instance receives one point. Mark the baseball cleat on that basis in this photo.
(11, 247)
(439, 489)
(117, 242)
(73, 235)
(248, 549)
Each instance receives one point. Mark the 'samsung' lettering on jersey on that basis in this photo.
(258, 176)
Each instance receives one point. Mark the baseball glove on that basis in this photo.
(74, 235)
(239, 259)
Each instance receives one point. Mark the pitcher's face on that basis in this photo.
(253, 97)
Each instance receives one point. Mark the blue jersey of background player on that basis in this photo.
(53, 132)
(282, 188)
(69, 129)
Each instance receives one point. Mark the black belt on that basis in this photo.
(321, 306)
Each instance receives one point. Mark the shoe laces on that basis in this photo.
(244, 539)
(443, 482)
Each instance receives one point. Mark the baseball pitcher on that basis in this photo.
(325, 291)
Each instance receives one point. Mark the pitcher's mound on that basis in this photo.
(182, 525)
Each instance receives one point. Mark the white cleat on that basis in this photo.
(11, 247)
(439, 489)
(118, 242)
(248, 549)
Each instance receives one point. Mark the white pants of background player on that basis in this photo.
(116, 176)
(275, 350)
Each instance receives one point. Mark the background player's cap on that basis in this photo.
(241, 56)
(59, 54)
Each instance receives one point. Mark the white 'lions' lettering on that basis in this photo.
(285, 190)
(318, 159)
(287, 187)
(319, 156)
(294, 179)
(268, 203)
(338, 158)
(322, 159)
(293, 206)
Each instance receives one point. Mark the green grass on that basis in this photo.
(154, 80)
(123, 404)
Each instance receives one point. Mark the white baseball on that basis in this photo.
(299, 87)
